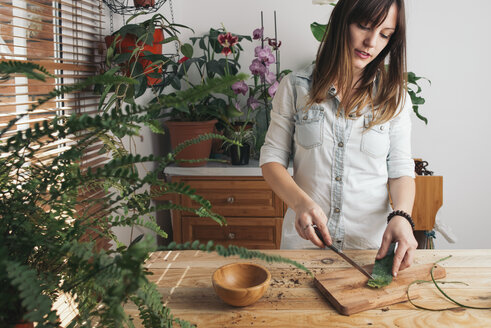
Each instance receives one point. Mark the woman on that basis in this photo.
(348, 117)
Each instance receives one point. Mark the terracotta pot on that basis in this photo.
(182, 131)
(24, 325)
(144, 3)
(128, 44)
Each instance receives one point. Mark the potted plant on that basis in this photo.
(144, 3)
(135, 50)
(243, 134)
(45, 221)
(219, 59)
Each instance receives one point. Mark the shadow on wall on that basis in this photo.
(161, 147)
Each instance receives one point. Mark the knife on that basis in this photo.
(340, 253)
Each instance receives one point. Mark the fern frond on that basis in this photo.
(30, 70)
(232, 250)
(31, 291)
(193, 95)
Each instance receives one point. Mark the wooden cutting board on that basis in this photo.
(348, 292)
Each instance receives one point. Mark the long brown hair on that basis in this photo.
(334, 61)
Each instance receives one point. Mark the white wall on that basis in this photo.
(448, 42)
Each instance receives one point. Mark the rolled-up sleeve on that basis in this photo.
(399, 161)
(278, 141)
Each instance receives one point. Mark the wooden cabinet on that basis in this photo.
(253, 212)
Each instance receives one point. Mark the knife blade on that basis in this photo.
(340, 253)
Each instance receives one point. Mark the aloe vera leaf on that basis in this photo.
(382, 270)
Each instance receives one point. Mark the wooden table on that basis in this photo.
(184, 279)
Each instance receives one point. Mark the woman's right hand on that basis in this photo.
(308, 215)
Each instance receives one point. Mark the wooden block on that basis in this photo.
(427, 202)
(348, 292)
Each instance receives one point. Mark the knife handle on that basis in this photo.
(319, 235)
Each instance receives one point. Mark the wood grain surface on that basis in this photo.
(292, 300)
(348, 292)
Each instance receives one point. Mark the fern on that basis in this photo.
(48, 234)
(30, 70)
(36, 304)
(233, 250)
(181, 99)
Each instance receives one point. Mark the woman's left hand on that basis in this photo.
(399, 230)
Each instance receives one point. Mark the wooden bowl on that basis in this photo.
(241, 284)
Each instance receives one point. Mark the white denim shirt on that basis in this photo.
(342, 168)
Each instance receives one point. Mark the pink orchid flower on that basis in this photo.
(257, 34)
(273, 88)
(257, 67)
(270, 77)
(240, 87)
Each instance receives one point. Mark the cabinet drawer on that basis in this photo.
(236, 197)
(247, 232)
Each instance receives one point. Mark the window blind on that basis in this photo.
(65, 37)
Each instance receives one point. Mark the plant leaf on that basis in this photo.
(318, 30)
(382, 275)
(187, 50)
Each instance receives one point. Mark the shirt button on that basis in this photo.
(338, 178)
(305, 117)
(351, 115)
(339, 241)
(381, 127)
(337, 210)
(341, 144)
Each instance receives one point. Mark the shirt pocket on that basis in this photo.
(308, 127)
(375, 141)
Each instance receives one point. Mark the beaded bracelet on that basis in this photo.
(403, 214)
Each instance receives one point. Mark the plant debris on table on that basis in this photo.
(437, 283)
(382, 270)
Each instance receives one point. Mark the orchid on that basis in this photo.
(257, 68)
(257, 34)
(270, 77)
(218, 58)
(240, 87)
(227, 41)
(265, 55)
(252, 103)
(274, 44)
(273, 88)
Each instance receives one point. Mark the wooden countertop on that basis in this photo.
(184, 279)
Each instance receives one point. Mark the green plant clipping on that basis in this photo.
(382, 270)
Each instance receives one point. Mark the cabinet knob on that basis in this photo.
(230, 199)
(231, 235)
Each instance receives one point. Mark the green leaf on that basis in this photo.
(214, 67)
(382, 270)
(231, 111)
(156, 127)
(122, 58)
(318, 30)
(187, 50)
